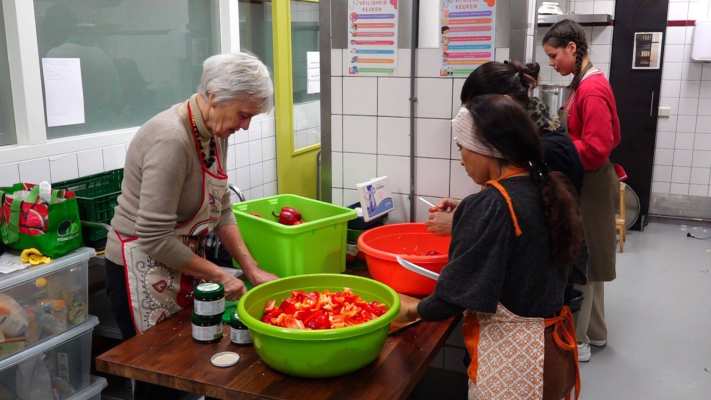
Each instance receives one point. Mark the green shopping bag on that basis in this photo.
(54, 229)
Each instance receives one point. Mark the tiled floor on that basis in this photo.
(659, 319)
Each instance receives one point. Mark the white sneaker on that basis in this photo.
(583, 352)
(598, 343)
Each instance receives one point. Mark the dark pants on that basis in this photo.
(118, 296)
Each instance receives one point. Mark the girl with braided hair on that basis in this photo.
(594, 127)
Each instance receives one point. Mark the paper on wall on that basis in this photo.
(313, 74)
(63, 91)
(372, 37)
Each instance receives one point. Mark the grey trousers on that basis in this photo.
(590, 320)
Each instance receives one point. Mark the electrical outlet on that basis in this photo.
(664, 112)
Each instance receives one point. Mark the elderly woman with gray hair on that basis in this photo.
(174, 193)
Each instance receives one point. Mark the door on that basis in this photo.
(637, 94)
(284, 34)
(297, 98)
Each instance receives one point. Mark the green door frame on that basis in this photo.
(296, 168)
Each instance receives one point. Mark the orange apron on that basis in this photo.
(156, 291)
(507, 350)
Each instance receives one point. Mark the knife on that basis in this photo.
(417, 269)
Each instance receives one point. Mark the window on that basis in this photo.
(305, 50)
(137, 58)
(255, 30)
(7, 120)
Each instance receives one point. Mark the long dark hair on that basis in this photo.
(564, 32)
(512, 78)
(505, 125)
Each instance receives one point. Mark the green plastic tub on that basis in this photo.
(316, 246)
(318, 353)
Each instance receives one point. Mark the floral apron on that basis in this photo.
(156, 291)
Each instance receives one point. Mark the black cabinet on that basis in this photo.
(637, 94)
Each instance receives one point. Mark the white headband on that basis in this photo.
(465, 135)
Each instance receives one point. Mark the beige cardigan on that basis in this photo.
(161, 187)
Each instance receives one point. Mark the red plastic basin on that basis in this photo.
(414, 243)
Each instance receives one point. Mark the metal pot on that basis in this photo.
(555, 97)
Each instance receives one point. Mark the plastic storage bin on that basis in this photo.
(57, 368)
(318, 245)
(41, 302)
(93, 392)
(97, 195)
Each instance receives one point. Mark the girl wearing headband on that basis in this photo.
(505, 273)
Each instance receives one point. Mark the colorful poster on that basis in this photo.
(467, 35)
(372, 37)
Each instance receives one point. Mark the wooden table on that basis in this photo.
(167, 355)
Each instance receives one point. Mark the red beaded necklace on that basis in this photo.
(198, 143)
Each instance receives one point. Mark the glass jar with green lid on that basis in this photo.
(209, 299)
(239, 334)
(207, 329)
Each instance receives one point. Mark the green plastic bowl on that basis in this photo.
(318, 353)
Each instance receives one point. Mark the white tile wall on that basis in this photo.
(393, 97)
(701, 158)
(679, 188)
(9, 174)
(63, 167)
(336, 62)
(394, 136)
(432, 177)
(114, 157)
(678, 11)
(401, 213)
(337, 169)
(666, 140)
(360, 134)
(433, 97)
(397, 169)
(350, 197)
(429, 62)
(432, 137)
(35, 171)
(360, 95)
(242, 154)
(403, 63)
(683, 147)
(337, 95)
(358, 168)
(337, 132)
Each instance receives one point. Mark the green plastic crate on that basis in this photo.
(316, 246)
(97, 195)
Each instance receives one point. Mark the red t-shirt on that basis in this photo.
(592, 121)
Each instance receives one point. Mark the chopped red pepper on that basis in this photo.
(322, 310)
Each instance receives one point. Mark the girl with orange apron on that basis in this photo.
(502, 271)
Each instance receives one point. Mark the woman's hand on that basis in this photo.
(407, 314)
(440, 222)
(258, 276)
(446, 205)
(234, 287)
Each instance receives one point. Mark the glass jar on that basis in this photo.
(207, 329)
(239, 334)
(209, 299)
